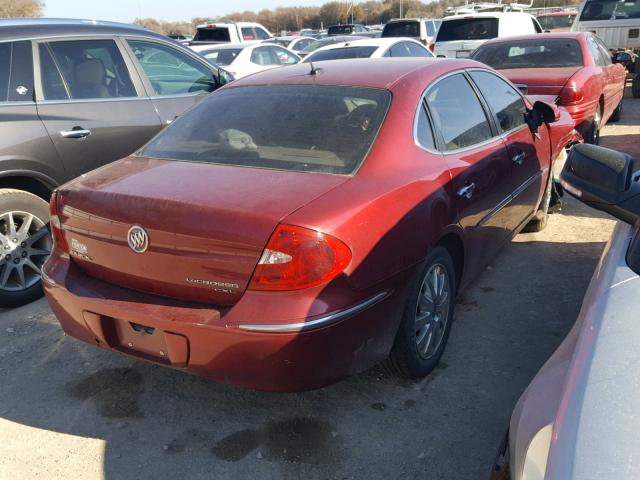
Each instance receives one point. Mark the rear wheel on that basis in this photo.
(593, 134)
(25, 243)
(426, 320)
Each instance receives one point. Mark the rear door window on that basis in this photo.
(224, 56)
(468, 29)
(283, 56)
(5, 65)
(335, 128)
(263, 56)
(424, 131)
(90, 69)
(458, 113)
(507, 104)
(416, 50)
(170, 71)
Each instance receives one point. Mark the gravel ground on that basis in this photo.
(68, 410)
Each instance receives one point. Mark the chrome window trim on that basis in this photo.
(17, 104)
(318, 322)
(92, 100)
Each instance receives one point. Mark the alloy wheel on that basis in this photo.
(25, 245)
(432, 310)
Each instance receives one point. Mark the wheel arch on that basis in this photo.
(454, 244)
(29, 181)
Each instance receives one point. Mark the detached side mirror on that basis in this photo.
(603, 179)
(541, 112)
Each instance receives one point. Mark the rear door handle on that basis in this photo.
(519, 158)
(76, 132)
(467, 190)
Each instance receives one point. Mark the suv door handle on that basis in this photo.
(467, 190)
(76, 132)
(519, 158)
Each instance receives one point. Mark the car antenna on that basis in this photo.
(314, 70)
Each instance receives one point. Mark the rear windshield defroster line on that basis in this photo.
(309, 128)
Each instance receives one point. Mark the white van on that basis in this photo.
(616, 22)
(460, 35)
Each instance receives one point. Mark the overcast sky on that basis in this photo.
(177, 10)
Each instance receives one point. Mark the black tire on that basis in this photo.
(539, 222)
(635, 85)
(18, 202)
(617, 113)
(592, 135)
(405, 360)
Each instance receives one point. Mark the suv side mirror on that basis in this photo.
(603, 179)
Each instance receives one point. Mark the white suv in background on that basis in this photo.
(422, 29)
(459, 35)
(230, 32)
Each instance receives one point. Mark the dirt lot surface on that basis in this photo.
(69, 410)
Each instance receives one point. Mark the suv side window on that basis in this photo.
(458, 113)
(503, 99)
(248, 33)
(170, 71)
(262, 34)
(5, 65)
(90, 69)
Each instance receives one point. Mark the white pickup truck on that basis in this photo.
(229, 32)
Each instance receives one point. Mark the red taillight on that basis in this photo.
(56, 225)
(432, 47)
(297, 257)
(570, 95)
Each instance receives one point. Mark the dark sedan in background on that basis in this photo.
(75, 95)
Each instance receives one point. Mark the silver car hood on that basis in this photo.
(596, 428)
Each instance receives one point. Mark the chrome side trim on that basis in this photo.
(318, 322)
(508, 199)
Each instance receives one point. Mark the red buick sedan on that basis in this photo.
(573, 69)
(302, 225)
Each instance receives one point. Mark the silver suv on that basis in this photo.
(75, 95)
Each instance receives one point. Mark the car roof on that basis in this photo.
(486, 15)
(539, 36)
(362, 72)
(557, 14)
(414, 19)
(368, 42)
(27, 28)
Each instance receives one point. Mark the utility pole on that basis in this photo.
(401, 15)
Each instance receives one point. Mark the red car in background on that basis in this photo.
(324, 223)
(557, 21)
(573, 69)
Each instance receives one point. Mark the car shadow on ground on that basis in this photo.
(158, 423)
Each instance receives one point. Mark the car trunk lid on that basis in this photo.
(207, 224)
(541, 81)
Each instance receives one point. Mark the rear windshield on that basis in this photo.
(212, 35)
(327, 129)
(553, 22)
(468, 29)
(610, 10)
(402, 29)
(543, 53)
(342, 53)
(223, 56)
(340, 30)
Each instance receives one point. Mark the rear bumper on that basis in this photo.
(197, 338)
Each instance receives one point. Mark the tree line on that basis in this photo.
(369, 12)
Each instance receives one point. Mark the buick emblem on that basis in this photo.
(138, 239)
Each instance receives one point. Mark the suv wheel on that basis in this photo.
(25, 243)
(426, 320)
